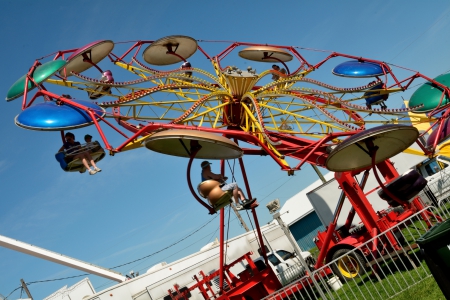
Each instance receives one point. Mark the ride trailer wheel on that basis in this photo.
(349, 266)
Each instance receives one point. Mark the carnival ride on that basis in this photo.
(228, 112)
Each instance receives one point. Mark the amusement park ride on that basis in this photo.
(227, 113)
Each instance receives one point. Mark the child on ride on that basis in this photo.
(88, 140)
(70, 146)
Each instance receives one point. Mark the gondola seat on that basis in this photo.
(210, 190)
(69, 164)
(404, 187)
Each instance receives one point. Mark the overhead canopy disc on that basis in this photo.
(357, 69)
(390, 139)
(265, 54)
(40, 74)
(156, 54)
(95, 51)
(430, 95)
(177, 142)
(49, 116)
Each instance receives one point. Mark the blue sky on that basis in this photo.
(140, 203)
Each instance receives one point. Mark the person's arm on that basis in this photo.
(61, 149)
(211, 175)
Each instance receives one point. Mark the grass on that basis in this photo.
(400, 285)
(401, 281)
(425, 290)
(314, 252)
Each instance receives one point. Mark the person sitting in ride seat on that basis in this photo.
(71, 146)
(88, 140)
(186, 65)
(275, 77)
(237, 192)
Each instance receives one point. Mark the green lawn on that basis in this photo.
(398, 286)
(401, 283)
(425, 290)
(401, 280)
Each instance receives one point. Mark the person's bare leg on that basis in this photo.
(85, 163)
(236, 195)
(87, 155)
(93, 164)
(89, 158)
(241, 194)
(83, 160)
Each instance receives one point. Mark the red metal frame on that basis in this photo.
(374, 223)
(195, 147)
(256, 284)
(306, 151)
(303, 62)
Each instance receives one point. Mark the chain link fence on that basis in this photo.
(381, 268)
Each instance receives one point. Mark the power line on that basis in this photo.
(86, 274)
(420, 35)
(209, 236)
(13, 292)
(290, 177)
(171, 245)
(56, 279)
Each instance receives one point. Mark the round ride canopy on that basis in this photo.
(354, 153)
(179, 142)
(51, 116)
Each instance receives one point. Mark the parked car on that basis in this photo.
(437, 172)
(287, 265)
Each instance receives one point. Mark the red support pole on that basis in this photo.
(255, 217)
(206, 283)
(100, 131)
(359, 201)
(325, 246)
(258, 230)
(222, 242)
(63, 137)
(244, 174)
(25, 93)
(194, 151)
(27, 79)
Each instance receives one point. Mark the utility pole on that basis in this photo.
(318, 173)
(273, 206)
(238, 215)
(24, 286)
(288, 234)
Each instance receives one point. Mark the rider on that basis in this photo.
(186, 65)
(71, 146)
(237, 192)
(277, 68)
(88, 140)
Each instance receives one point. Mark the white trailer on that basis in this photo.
(159, 279)
(324, 198)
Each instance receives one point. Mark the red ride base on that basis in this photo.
(374, 223)
(251, 284)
